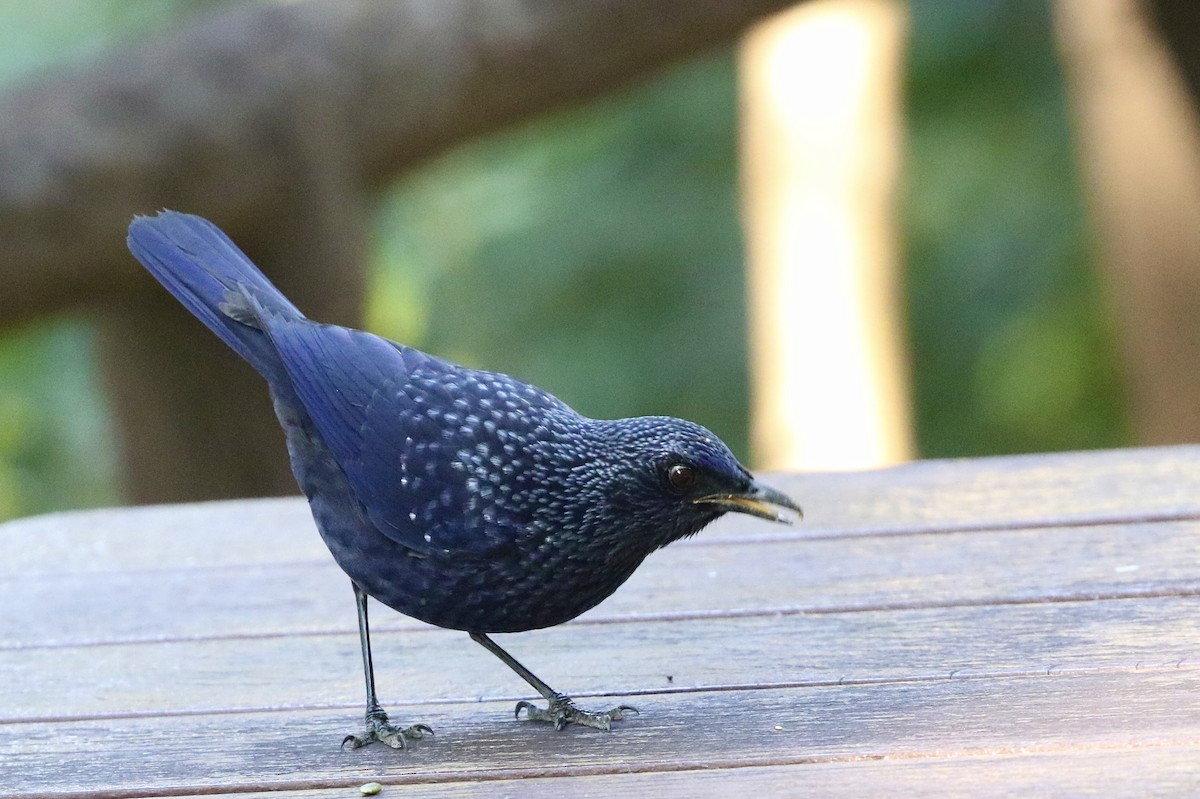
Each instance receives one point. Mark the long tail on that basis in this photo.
(213, 279)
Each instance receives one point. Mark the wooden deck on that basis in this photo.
(1018, 626)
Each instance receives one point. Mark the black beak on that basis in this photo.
(757, 500)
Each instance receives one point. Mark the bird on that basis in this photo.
(463, 498)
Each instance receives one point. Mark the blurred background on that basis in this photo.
(608, 245)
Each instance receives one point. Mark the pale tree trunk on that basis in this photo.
(821, 141)
(1139, 137)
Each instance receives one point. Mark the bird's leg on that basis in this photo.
(561, 710)
(378, 727)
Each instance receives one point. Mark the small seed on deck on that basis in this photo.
(370, 789)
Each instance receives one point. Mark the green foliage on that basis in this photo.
(596, 253)
(55, 441)
(37, 35)
(1012, 349)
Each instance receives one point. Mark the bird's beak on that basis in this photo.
(758, 500)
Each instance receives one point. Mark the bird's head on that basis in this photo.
(675, 477)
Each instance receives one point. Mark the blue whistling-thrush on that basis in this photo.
(466, 499)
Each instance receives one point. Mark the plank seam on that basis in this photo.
(1174, 590)
(959, 675)
(812, 533)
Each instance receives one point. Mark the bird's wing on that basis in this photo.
(388, 422)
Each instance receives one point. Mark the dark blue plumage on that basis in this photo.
(464, 498)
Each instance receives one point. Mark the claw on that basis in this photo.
(380, 730)
(561, 711)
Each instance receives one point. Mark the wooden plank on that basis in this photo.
(714, 730)
(932, 571)
(688, 578)
(948, 494)
(234, 533)
(1028, 490)
(1168, 770)
(626, 659)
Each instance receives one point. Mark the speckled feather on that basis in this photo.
(464, 498)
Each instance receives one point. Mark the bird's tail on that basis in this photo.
(213, 279)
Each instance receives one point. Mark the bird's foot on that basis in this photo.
(562, 711)
(379, 729)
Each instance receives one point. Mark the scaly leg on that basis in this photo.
(561, 710)
(378, 728)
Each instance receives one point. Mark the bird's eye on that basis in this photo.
(681, 477)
